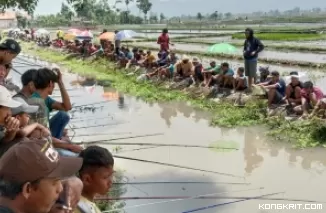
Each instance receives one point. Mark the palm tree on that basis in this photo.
(145, 6)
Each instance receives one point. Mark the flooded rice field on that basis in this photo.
(194, 31)
(260, 165)
(268, 54)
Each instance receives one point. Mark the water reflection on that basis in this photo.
(252, 158)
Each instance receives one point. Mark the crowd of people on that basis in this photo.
(40, 169)
(38, 162)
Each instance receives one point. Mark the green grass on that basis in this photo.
(301, 134)
(283, 36)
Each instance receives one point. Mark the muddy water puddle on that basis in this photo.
(275, 166)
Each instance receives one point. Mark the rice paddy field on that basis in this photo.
(269, 156)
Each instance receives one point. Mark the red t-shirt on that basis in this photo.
(319, 94)
(164, 40)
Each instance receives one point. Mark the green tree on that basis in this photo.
(66, 11)
(199, 16)
(145, 6)
(214, 16)
(228, 15)
(27, 5)
(162, 17)
(21, 21)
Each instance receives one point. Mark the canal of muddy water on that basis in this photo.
(265, 165)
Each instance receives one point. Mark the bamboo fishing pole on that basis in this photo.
(178, 199)
(231, 202)
(92, 134)
(130, 137)
(89, 119)
(181, 182)
(95, 103)
(100, 125)
(104, 142)
(177, 166)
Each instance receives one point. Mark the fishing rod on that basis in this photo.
(27, 64)
(181, 182)
(137, 149)
(100, 134)
(158, 144)
(95, 103)
(174, 200)
(231, 202)
(100, 125)
(130, 137)
(176, 166)
(89, 119)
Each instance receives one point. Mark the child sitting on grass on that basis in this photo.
(96, 174)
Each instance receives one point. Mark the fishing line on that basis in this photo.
(95, 103)
(131, 137)
(90, 119)
(101, 134)
(174, 200)
(177, 166)
(226, 203)
(137, 149)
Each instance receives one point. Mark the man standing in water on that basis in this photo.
(252, 46)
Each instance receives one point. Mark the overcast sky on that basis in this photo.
(178, 7)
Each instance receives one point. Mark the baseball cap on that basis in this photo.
(32, 160)
(10, 45)
(24, 107)
(6, 99)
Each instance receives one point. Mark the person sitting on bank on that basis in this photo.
(35, 130)
(96, 174)
(184, 70)
(264, 75)
(226, 76)
(44, 83)
(9, 49)
(293, 90)
(240, 83)
(198, 71)
(310, 95)
(9, 126)
(31, 174)
(319, 110)
(275, 89)
(211, 74)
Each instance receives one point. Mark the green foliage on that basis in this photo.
(283, 36)
(27, 5)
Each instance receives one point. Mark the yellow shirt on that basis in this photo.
(60, 33)
(150, 58)
(86, 206)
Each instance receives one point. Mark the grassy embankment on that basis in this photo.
(301, 133)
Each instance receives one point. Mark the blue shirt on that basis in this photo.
(281, 86)
(130, 55)
(229, 72)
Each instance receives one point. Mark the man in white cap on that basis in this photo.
(8, 125)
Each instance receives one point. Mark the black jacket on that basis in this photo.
(252, 44)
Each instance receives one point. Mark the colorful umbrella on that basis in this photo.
(222, 48)
(85, 35)
(125, 34)
(69, 37)
(107, 36)
(42, 32)
(74, 31)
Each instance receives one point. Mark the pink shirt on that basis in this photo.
(164, 40)
(319, 94)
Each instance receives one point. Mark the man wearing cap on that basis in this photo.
(8, 125)
(9, 49)
(34, 185)
(275, 89)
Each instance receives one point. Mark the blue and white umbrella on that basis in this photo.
(125, 34)
(42, 32)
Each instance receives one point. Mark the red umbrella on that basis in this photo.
(74, 31)
(85, 34)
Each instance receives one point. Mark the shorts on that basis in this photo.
(250, 68)
(278, 98)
